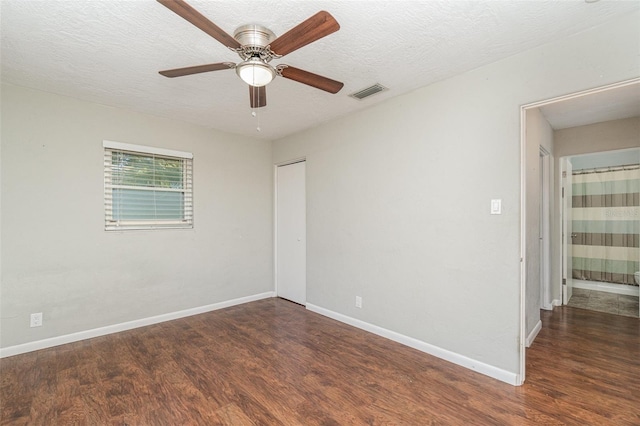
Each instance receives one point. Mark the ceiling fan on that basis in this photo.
(257, 46)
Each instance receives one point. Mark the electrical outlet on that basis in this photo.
(36, 320)
(358, 302)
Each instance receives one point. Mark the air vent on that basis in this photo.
(369, 91)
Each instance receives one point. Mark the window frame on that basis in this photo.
(111, 224)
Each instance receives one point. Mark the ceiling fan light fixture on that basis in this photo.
(255, 72)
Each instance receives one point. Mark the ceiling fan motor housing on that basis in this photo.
(254, 38)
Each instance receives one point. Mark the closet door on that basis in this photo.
(291, 233)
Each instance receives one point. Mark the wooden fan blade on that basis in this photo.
(181, 8)
(258, 96)
(311, 79)
(179, 72)
(319, 25)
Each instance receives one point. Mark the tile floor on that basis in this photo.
(611, 303)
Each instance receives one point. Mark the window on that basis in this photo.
(147, 188)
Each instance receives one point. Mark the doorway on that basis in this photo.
(619, 101)
(291, 232)
(605, 231)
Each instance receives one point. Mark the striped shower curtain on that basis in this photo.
(606, 224)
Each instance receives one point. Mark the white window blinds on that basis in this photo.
(147, 188)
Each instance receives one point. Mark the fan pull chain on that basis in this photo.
(255, 114)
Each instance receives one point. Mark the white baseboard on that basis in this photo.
(115, 328)
(556, 302)
(629, 290)
(532, 336)
(471, 364)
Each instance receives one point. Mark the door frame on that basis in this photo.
(275, 217)
(546, 161)
(523, 217)
(566, 252)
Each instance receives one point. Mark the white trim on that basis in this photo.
(582, 93)
(275, 230)
(461, 360)
(523, 247)
(545, 257)
(289, 162)
(146, 149)
(116, 328)
(552, 304)
(628, 290)
(532, 336)
(559, 209)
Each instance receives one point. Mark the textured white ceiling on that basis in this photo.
(612, 104)
(110, 52)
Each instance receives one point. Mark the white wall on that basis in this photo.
(58, 259)
(598, 137)
(538, 134)
(399, 196)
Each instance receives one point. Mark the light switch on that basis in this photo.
(496, 206)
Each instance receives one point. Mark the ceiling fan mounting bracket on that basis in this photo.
(279, 69)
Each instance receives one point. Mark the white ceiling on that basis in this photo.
(110, 52)
(612, 104)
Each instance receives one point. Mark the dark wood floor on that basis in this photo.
(272, 362)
